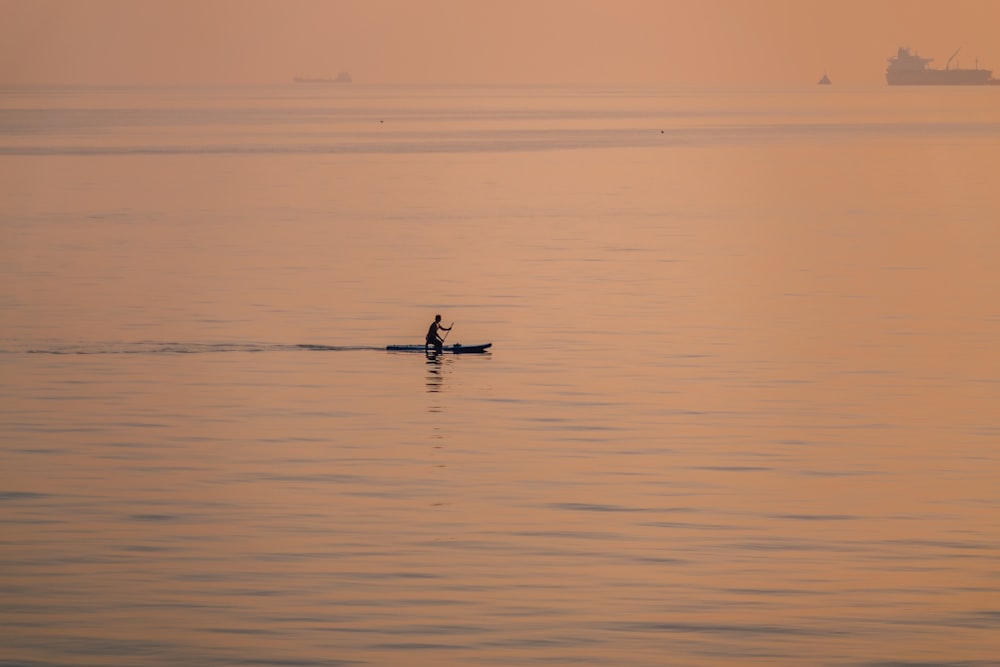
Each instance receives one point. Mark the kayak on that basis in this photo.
(457, 348)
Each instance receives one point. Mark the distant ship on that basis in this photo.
(343, 77)
(825, 81)
(910, 69)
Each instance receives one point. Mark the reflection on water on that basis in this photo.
(742, 408)
(436, 370)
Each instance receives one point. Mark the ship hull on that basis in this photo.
(946, 77)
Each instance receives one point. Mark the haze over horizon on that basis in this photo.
(629, 42)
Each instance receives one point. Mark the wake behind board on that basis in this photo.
(457, 348)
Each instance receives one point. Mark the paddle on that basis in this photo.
(443, 339)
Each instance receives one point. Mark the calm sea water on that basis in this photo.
(743, 404)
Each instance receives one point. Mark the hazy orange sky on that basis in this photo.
(738, 42)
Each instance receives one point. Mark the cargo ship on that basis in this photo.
(343, 77)
(910, 69)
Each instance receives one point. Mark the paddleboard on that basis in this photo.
(457, 348)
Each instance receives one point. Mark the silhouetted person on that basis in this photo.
(432, 334)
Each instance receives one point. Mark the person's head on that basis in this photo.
(437, 318)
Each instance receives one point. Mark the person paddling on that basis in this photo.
(433, 338)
